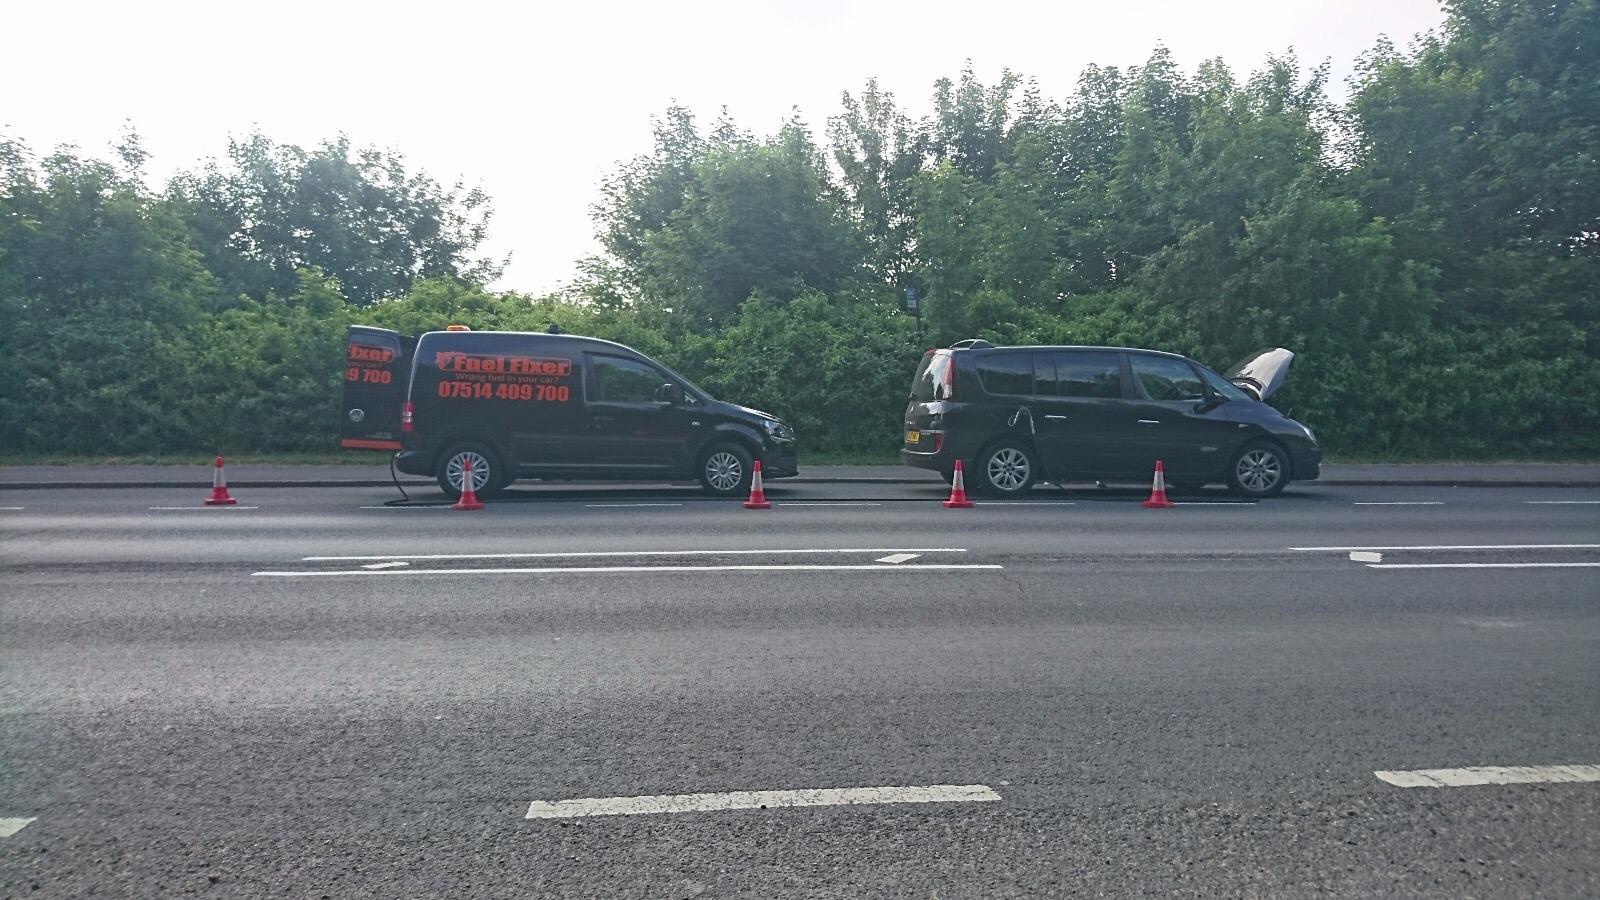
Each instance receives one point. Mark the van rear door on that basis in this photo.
(377, 365)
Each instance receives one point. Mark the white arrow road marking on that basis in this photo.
(897, 558)
(1489, 775)
(8, 827)
(681, 803)
(599, 553)
(386, 565)
(1355, 556)
(620, 570)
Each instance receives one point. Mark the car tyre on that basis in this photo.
(1259, 469)
(1005, 469)
(493, 475)
(725, 470)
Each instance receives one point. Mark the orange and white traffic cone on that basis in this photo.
(219, 487)
(758, 495)
(469, 496)
(958, 491)
(1158, 491)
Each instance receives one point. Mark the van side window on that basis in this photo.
(617, 380)
(1166, 378)
(1007, 373)
(1080, 373)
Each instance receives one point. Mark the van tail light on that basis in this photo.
(405, 416)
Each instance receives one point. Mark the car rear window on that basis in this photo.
(932, 376)
(1007, 373)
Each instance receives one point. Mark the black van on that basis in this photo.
(1014, 415)
(521, 405)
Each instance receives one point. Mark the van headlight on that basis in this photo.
(777, 430)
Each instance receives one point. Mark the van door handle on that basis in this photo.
(1149, 421)
(1057, 418)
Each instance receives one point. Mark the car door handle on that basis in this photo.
(1149, 421)
(1057, 418)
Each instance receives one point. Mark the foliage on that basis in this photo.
(1430, 248)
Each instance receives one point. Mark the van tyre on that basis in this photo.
(488, 474)
(725, 469)
(1259, 469)
(1005, 469)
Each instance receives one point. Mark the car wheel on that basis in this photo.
(725, 470)
(1006, 469)
(1259, 469)
(488, 475)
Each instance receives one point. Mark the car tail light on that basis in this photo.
(405, 416)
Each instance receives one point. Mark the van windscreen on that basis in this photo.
(932, 381)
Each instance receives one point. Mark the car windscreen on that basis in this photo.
(1224, 388)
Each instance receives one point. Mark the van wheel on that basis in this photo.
(488, 475)
(1006, 469)
(1259, 469)
(725, 470)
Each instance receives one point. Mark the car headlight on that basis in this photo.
(1308, 432)
(777, 430)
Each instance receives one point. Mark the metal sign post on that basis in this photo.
(912, 306)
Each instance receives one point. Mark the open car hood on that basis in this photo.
(1261, 373)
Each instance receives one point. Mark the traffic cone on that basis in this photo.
(469, 497)
(758, 496)
(1158, 491)
(219, 488)
(958, 491)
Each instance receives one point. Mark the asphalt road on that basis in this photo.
(1185, 701)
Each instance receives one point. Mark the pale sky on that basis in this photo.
(536, 103)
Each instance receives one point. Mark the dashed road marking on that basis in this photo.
(175, 508)
(825, 503)
(391, 564)
(897, 558)
(1399, 503)
(625, 570)
(8, 827)
(1481, 775)
(614, 553)
(410, 506)
(1513, 565)
(1457, 547)
(730, 800)
(626, 505)
(1365, 556)
(1214, 503)
(12, 508)
(1563, 502)
(1027, 503)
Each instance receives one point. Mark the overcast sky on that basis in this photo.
(536, 103)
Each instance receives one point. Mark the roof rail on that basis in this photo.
(971, 344)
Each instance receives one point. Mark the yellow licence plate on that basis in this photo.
(913, 437)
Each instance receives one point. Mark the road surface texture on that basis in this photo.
(1347, 691)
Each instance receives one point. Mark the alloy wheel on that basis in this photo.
(457, 465)
(724, 471)
(1259, 470)
(1008, 469)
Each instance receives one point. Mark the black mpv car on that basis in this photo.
(1016, 415)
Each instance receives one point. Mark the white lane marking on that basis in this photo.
(1461, 547)
(13, 508)
(681, 803)
(8, 827)
(1490, 775)
(1365, 556)
(607, 570)
(824, 503)
(1399, 503)
(1524, 565)
(626, 505)
(1027, 503)
(170, 508)
(1214, 503)
(1563, 502)
(897, 558)
(414, 506)
(391, 564)
(599, 553)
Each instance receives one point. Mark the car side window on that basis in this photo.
(617, 380)
(1080, 373)
(1007, 373)
(1166, 378)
